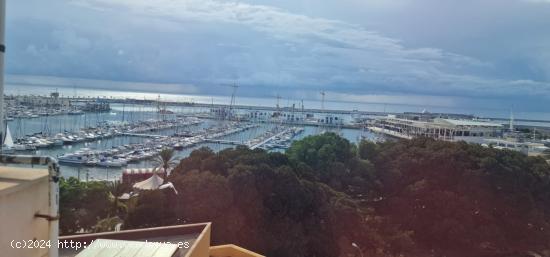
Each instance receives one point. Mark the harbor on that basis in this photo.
(97, 138)
(98, 143)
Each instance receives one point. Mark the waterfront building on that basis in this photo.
(38, 101)
(96, 107)
(330, 119)
(437, 128)
(517, 144)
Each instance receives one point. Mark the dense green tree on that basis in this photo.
(151, 210)
(368, 150)
(461, 199)
(82, 204)
(319, 152)
(416, 197)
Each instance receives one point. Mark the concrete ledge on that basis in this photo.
(197, 234)
(142, 233)
(231, 250)
(15, 178)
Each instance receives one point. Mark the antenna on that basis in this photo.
(511, 120)
(323, 100)
(278, 98)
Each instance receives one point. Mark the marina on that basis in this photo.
(122, 155)
(96, 138)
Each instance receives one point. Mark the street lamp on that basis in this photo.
(358, 248)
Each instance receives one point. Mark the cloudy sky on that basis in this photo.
(452, 53)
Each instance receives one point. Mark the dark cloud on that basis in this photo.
(470, 49)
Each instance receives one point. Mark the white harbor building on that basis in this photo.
(437, 128)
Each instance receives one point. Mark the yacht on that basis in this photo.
(72, 159)
(110, 162)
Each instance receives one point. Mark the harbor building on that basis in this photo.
(471, 130)
(517, 144)
(38, 101)
(437, 128)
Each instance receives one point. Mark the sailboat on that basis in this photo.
(8, 146)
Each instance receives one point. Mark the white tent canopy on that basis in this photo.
(152, 183)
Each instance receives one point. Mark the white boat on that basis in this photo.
(108, 162)
(67, 140)
(72, 159)
(58, 141)
(42, 143)
(75, 112)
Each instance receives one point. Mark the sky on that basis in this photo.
(475, 53)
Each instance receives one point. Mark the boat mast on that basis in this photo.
(2, 51)
(511, 121)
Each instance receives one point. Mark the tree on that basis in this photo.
(418, 197)
(82, 204)
(151, 210)
(368, 150)
(321, 151)
(165, 160)
(116, 189)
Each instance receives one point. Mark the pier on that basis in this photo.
(268, 140)
(142, 135)
(221, 141)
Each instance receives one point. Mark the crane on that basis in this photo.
(278, 99)
(229, 114)
(235, 87)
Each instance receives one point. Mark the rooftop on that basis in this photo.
(471, 123)
(445, 122)
(171, 241)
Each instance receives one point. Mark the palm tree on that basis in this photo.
(165, 160)
(116, 189)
